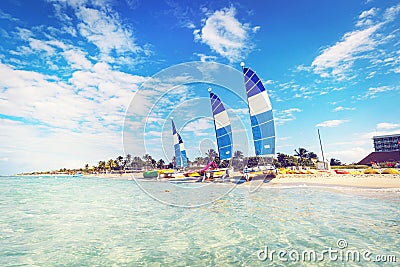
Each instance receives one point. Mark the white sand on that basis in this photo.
(359, 180)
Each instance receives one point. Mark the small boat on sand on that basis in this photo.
(341, 172)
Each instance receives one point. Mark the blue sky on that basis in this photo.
(71, 70)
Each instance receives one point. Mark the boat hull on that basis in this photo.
(260, 173)
(150, 174)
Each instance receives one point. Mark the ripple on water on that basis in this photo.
(77, 221)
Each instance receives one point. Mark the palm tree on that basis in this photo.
(312, 155)
(137, 162)
(211, 154)
(102, 165)
(118, 161)
(199, 161)
(160, 163)
(86, 168)
(111, 164)
(302, 154)
(128, 160)
(237, 159)
(283, 159)
(148, 159)
(335, 162)
(238, 154)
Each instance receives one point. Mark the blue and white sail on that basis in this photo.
(262, 121)
(180, 152)
(223, 128)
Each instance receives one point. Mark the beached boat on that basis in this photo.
(150, 174)
(262, 125)
(166, 173)
(180, 152)
(223, 133)
(342, 172)
(180, 159)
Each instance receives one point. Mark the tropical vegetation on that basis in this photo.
(301, 157)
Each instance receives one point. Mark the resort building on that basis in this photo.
(387, 143)
(387, 149)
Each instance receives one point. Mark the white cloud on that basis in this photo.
(205, 58)
(365, 17)
(286, 115)
(32, 147)
(40, 45)
(77, 59)
(391, 13)
(340, 108)
(368, 13)
(337, 59)
(225, 35)
(7, 16)
(90, 99)
(74, 121)
(331, 123)
(105, 31)
(387, 125)
(24, 33)
(101, 26)
(373, 91)
(256, 29)
(199, 126)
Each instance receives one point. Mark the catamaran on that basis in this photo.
(262, 125)
(181, 161)
(180, 152)
(223, 132)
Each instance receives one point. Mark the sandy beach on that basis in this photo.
(328, 179)
(359, 180)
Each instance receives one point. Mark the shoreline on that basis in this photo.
(374, 181)
(324, 179)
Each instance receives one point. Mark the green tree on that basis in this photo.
(301, 153)
(148, 159)
(237, 160)
(160, 163)
(111, 164)
(335, 162)
(128, 160)
(101, 165)
(198, 161)
(137, 162)
(211, 154)
(86, 168)
(283, 160)
(119, 162)
(312, 155)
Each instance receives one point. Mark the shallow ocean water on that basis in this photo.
(64, 221)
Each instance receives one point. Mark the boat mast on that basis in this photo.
(215, 126)
(322, 151)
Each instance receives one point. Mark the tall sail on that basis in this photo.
(180, 152)
(262, 121)
(223, 128)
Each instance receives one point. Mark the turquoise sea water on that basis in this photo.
(56, 221)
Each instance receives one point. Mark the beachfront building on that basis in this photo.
(387, 149)
(387, 143)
